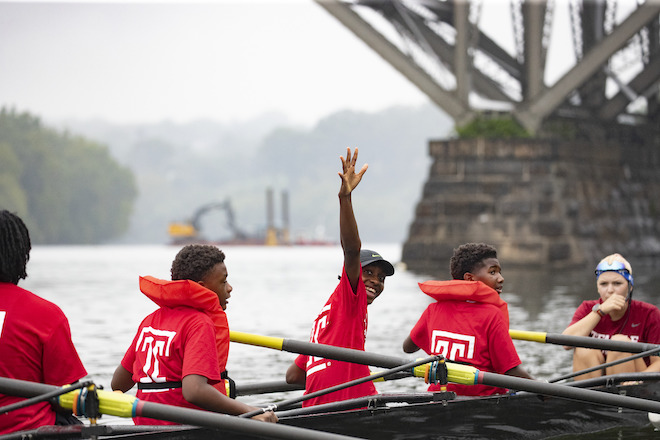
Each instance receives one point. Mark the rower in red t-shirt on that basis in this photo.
(179, 352)
(35, 338)
(615, 315)
(342, 322)
(469, 322)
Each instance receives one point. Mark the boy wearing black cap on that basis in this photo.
(343, 320)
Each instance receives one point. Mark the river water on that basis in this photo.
(278, 291)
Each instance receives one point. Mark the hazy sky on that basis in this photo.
(224, 60)
(228, 60)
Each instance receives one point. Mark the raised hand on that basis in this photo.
(349, 178)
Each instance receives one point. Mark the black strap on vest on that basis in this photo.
(158, 385)
(171, 385)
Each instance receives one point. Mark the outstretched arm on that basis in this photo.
(348, 229)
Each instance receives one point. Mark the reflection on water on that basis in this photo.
(278, 291)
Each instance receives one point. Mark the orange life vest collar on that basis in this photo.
(461, 290)
(186, 293)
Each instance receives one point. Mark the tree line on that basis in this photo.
(67, 189)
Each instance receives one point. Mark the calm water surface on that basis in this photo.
(278, 291)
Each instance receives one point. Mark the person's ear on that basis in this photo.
(467, 276)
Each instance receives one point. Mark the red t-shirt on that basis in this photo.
(641, 323)
(170, 344)
(35, 345)
(469, 332)
(342, 323)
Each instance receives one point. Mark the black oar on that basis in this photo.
(607, 364)
(44, 397)
(582, 341)
(457, 373)
(124, 405)
(289, 402)
(275, 386)
(321, 350)
(282, 386)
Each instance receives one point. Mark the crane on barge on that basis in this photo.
(189, 231)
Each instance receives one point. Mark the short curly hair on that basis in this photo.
(15, 246)
(194, 261)
(469, 257)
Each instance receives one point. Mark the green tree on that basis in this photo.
(68, 189)
(498, 126)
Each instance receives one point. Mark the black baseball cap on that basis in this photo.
(368, 256)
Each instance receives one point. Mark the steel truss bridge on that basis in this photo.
(441, 47)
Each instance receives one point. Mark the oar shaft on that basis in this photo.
(43, 397)
(343, 354)
(124, 405)
(320, 350)
(467, 375)
(275, 386)
(591, 396)
(231, 423)
(582, 341)
(289, 402)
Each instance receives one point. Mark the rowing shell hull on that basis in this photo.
(413, 416)
(519, 416)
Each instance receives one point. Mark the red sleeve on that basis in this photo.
(652, 326)
(583, 310)
(301, 361)
(351, 303)
(503, 353)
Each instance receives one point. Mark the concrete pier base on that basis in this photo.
(539, 202)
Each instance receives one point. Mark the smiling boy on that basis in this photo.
(469, 322)
(343, 319)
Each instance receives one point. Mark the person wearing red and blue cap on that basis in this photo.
(342, 321)
(615, 315)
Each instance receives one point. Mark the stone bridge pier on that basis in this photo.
(539, 202)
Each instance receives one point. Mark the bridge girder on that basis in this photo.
(440, 48)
